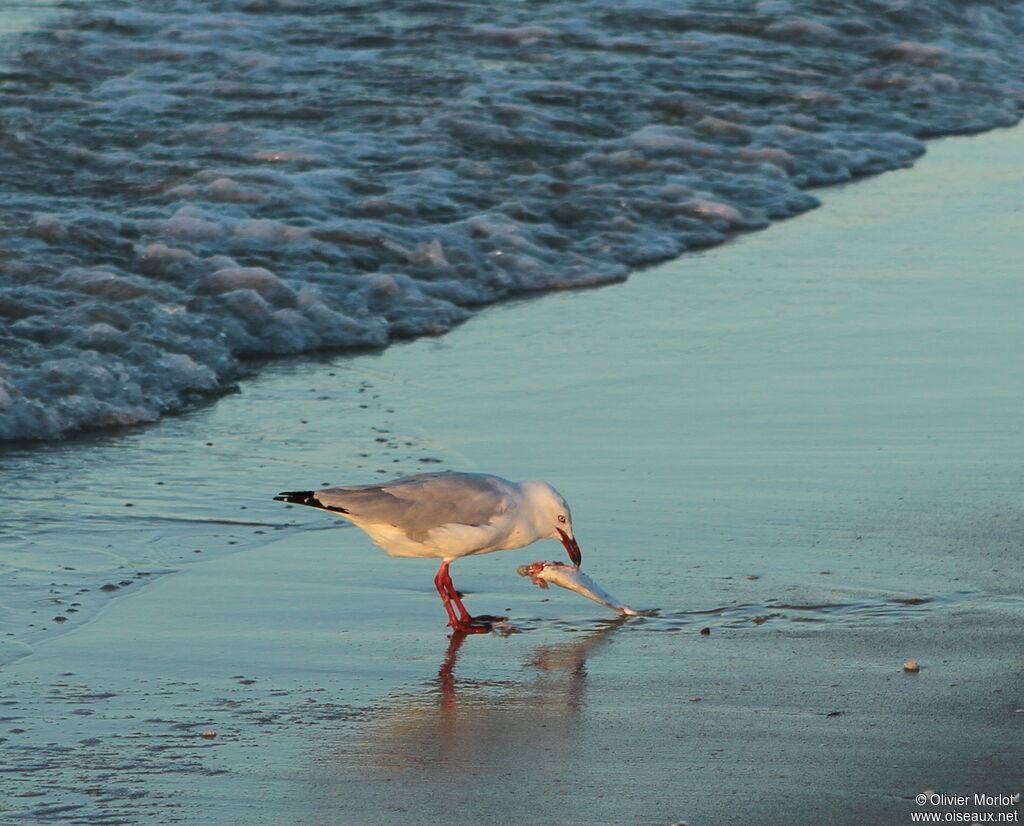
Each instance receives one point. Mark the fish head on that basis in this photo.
(535, 572)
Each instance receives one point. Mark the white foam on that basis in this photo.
(258, 279)
(198, 185)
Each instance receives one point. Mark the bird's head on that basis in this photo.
(552, 516)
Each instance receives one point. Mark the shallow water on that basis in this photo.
(343, 716)
(761, 432)
(188, 184)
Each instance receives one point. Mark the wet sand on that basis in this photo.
(808, 441)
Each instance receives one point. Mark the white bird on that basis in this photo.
(447, 516)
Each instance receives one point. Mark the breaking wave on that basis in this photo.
(186, 184)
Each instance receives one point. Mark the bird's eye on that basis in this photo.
(561, 517)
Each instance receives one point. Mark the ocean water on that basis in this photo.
(188, 186)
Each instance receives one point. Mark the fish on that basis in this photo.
(573, 579)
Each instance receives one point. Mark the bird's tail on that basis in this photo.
(299, 497)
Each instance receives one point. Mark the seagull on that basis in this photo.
(446, 516)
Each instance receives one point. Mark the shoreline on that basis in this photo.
(816, 426)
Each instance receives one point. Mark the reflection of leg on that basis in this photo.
(446, 673)
(464, 622)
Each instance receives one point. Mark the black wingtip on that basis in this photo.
(306, 497)
(299, 497)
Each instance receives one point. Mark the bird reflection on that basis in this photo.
(443, 745)
(467, 720)
(567, 660)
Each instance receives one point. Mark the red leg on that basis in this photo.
(464, 622)
(453, 595)
(441, 583)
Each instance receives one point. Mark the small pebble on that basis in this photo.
(705, 632)
(210, 734)
(911, 666)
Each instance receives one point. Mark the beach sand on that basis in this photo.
(808, 441)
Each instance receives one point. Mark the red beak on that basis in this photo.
(571, 547)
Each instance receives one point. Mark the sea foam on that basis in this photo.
(188, 185)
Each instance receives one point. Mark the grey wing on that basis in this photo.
(420, 503)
